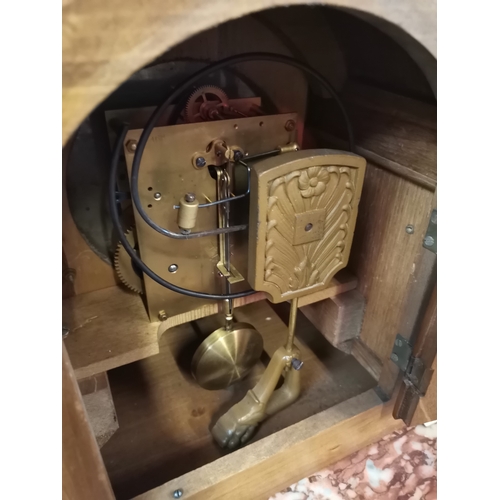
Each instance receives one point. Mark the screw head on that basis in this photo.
(238, 155)
(162, 315)
(410, 229)
(200, 162)
(308, 227)
(178, 493)
(290, 125)
(131, 146)
(297, 364)
(394, 357)
(190, 197)
(399, 343)
(428, 241)
(65, 332)
(69, 275)
(172, 268)
(157, 196)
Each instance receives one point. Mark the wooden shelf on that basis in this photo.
(108, 328)
(111, 328)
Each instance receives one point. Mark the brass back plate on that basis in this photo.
(167, 168)
(303, 209)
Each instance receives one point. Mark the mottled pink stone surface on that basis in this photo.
(401, 466)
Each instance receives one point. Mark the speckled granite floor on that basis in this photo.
(401, 466)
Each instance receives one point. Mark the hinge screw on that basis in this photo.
(409, 229)
(394, 357)
(428, 241)
(178, 493)
(289, 125)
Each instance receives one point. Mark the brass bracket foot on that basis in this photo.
(239, 423)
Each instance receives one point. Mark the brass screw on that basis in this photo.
(200, 162)
(131, 146)
(290, 125)
(162, 315)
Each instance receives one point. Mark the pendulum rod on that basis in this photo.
(292, 320)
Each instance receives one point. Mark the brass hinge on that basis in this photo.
(415, 378)
(430, 238)
(412, 367)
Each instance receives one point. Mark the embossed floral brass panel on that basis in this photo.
(303, 208)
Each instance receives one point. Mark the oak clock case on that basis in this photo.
(213, 212)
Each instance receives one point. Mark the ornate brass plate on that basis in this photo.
(226, 356)
(303, 208)
(167, 169)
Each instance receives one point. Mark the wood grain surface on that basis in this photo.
(108, 328)
(414, 310)
(384, 257)
(105, 42)
(367, 358)
(83, 472)
(292, 453)
(394, 132)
